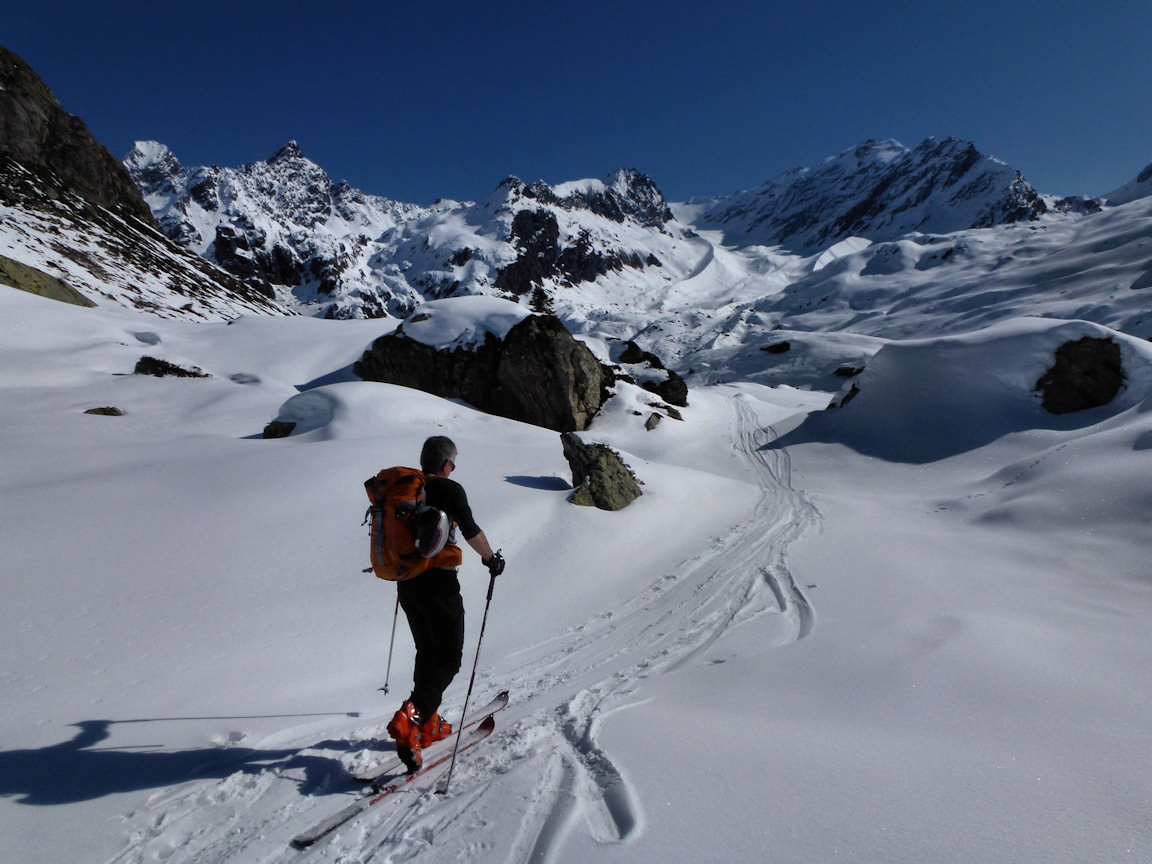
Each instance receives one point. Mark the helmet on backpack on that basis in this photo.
(432, 530)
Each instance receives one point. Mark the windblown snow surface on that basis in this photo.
(912, 629)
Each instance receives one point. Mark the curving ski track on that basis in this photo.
(549, 766)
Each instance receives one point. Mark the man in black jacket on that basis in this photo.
(435, 609)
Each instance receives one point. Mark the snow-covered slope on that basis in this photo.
(946, 670)
(113, 258)
(1138, 187)
(910, 629)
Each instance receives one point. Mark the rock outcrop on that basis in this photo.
(601, 477)
(1088, 373)
(538, 373)
(158, 368)
(25, 278)
(648, 370)
(37, 133)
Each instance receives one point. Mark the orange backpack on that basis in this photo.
(407, 536)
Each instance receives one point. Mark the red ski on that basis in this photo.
(362, 802)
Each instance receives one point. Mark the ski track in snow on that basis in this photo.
(549, 762)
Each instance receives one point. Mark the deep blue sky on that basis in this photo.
(420, 100)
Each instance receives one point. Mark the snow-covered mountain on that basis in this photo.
(280, 224)
(879, 190)
(283, 223)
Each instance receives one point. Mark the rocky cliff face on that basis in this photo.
(71, 217)
(537, 373)
(56, 147)
(281, 224)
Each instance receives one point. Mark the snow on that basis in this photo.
(463, 321)
(913, 628)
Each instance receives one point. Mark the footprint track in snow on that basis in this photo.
(738, 578)
(551, 759)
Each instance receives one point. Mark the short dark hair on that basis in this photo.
(437, 450)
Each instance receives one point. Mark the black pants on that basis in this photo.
(435, 612)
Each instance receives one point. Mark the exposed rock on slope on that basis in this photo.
(69, 210)
(56, 147)
(602, 479)
(537, 373)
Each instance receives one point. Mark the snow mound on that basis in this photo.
(925, 400)
(463, 321)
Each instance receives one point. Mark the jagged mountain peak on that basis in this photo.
(153, 166)
(624, 194)
(290, 152)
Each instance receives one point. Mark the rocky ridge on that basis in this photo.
(74, 226)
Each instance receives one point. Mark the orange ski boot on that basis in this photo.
(405, 731)
(433, 729)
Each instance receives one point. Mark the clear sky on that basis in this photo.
(441, 98)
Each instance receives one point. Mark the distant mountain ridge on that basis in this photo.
(881, 191)
(284, 226)
(789, 282)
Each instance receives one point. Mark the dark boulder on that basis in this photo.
(1087, 373)
(666, 384)
(538, 373)
(163, 369)
(278, 429)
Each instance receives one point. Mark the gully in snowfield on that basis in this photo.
(427, 585)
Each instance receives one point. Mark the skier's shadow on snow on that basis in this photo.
(72, 771)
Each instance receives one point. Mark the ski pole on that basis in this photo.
(471, 681)
(391, 643)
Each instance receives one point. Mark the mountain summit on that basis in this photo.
(881, 191)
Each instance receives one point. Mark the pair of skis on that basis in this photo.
(477, 726)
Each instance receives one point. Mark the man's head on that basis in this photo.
(438, 451)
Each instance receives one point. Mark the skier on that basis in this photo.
(435, 611)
